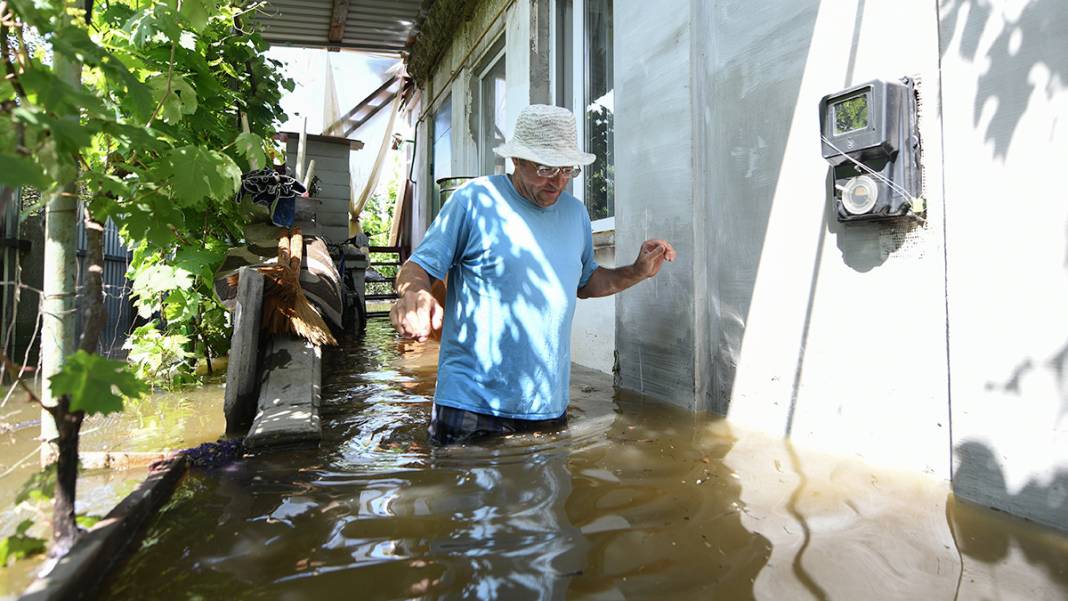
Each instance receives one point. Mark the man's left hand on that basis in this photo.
(652, 255)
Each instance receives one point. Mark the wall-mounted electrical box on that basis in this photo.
(871, 138)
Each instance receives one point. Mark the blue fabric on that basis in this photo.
(514, 271)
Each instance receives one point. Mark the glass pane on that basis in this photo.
(492, 118)
(850, 115)
(565, 55)
(599, 106)
(442, 152)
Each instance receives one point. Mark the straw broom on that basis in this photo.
(286, 309)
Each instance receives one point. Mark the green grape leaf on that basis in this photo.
(154, 24)
(58, 96)
(150, 218)
(19, 546)
(178, 98)
(70, 133)
(180, 307)
(198, 12)
(39, 487)
(149, 284)
(105, 183)
(251, 146)
(200, 260)
(87, 521)
(21, 171)
(95, 384)
(195, 173)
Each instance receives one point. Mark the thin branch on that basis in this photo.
(170, 78)
(9, 67)
(10, 367)
(93, 300)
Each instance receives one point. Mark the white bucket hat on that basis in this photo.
(545, 134)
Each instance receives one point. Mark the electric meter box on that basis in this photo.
(870, 136)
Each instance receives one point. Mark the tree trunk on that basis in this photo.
(64, 527)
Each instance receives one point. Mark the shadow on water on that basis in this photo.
(979, 476)
(630, 501)
(634, 500)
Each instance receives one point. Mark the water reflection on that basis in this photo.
(631, 501)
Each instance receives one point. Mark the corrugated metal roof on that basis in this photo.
(369, 25)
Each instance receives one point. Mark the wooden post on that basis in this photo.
(60, 272)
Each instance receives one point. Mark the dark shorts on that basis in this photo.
(449, 425)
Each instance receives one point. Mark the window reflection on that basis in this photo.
(599, 107)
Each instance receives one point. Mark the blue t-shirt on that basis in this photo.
(514, 271)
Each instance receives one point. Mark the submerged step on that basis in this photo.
(288, 411)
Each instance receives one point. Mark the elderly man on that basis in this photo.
(517, 250)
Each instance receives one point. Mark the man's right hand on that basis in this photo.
(416, 314)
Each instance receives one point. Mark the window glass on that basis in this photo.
(598, 109)
(442, 150)
(492, 115)
(565, 54)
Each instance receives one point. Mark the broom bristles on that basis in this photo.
(286, 309)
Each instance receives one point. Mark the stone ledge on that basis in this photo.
(79, 573)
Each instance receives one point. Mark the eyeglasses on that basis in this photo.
(544, 171)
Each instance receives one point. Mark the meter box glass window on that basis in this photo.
(870, 136)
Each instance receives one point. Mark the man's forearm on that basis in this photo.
(412, 278)
(606, 281)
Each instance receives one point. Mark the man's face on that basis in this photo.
(542, 190)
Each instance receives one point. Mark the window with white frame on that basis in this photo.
(583, 81)
(492, 115)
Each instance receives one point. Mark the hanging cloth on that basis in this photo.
(276, 191)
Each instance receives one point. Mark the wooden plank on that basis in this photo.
(289, 397)
(381, 89)
(242, 384)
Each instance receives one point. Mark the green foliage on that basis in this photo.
(95, 384)
(377, 216)
(153, 135)
(20, 545)
(87, 521)
(158, 357)
(40, 487)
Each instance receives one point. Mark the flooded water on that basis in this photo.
(633, 501)
(159, 423)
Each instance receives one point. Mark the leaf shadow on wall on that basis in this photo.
(1031, 40)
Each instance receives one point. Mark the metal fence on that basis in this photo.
(21, 265)
(116, 290)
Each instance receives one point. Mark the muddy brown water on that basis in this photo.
(164, 421)
(634, 500)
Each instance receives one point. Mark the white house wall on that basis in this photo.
(797, 324)
(938, 347)
(1005, 74)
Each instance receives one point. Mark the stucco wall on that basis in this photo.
(593, 332)
(1005, 74)
(654, 197)
(832, 333)
(848, 336)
